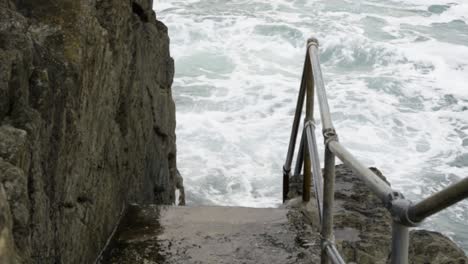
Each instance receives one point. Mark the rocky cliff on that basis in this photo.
(86, 123)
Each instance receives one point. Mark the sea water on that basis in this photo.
(396, 74)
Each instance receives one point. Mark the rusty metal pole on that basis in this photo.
(309, 117)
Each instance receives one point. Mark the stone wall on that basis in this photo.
(87, 123)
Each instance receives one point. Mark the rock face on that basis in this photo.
(87, 123)
(363, 227)
(7, 246)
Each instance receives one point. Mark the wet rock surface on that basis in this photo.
(154, 234)
(87, 124)
(7, 246)
(433, 247)
(363, 227)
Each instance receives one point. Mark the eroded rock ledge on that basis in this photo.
(86, 123)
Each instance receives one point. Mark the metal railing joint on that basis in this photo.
(327, 243)
(329, 135)
(398, 207)
(312, 42)
(310, 123)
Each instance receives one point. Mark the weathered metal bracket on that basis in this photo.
(399, 206)
(312, 41)
(309, 123)
(329, 135)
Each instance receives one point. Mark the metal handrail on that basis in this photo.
(404, 213)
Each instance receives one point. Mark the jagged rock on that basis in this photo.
(7, 247)
(12, 144)
(363, 227)
(14, 182)
(362, 224)
(433, 247)
(87, 122)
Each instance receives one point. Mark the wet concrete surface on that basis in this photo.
(155, 234)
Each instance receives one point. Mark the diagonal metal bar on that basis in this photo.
(297, 119)
(294, 130)
(300, 157)
(334, 254)
(309, 112)
(439, 201)
(319, 84)
(374, 182)
(316, 169)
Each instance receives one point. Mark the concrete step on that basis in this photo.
(155, 234)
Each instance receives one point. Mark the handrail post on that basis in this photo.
(307, 176)
(309, 84)
(317, 180)
(285, 184)
(400, 243)
(300, 157)
(328, 201)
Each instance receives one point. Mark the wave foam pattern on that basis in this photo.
(396, 74)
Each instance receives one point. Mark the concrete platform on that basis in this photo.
(155, 234)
